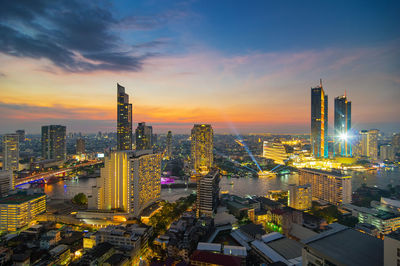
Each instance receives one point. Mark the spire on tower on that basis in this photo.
(320, 83)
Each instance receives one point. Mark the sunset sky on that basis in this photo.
(245, 65)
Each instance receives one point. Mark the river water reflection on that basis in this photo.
(239, 186)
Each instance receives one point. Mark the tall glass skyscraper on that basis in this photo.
(319, 122)
(342, 126)
(54, 142)
(124, 120)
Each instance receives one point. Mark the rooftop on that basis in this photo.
(215, 259)
(335, 174)
(348, 247)
(395, 235)
(20, 197)
(288, 248)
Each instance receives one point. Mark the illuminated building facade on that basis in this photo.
(396, 142)
(342, 126)
(319, 122)
(202, 148)
(368, 144)
(54, 142)
(168, 152)
(129, 181)
(10, 152)
(124, 120)
(300, 197)
(19, 209)
(80, 146)
(144, 137)
(6, 182)
(208, 194)
(275, 151)
(387, 152)
(373, 144)
(331, 187)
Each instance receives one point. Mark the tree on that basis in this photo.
(80, 199)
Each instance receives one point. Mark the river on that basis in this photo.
(239, 186)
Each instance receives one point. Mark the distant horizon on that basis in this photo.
(240, 67)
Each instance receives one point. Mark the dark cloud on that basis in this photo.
(73, 35)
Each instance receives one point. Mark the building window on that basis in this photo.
(398, 252)
(398, 262)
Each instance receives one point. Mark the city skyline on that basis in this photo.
(233, 76)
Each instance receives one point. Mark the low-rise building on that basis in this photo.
(19, 209)
(391, 249)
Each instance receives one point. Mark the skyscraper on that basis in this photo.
(373, 144)
(396, 142)
(168, 152)
(11, 152)
(6, 182)
(124, 120)
(319, 122)
(342, 126)
(208, 194)
(80, 146)
(54, 142)
(202, 149)
(144, 137)
(129, 182)
(21, 135)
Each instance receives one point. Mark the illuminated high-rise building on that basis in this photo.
(144, 137)
(396, 142)
(54, 142)
(11, 152)
(342, 126)
(300, 197)
(202, 148)
(129, 181)
(208, 194)
(168, 152)
(373, 144)
(364, 143)
(319, 122)
(275, 151)
(387, 152)
(6, 182)
(331, 187)
(80, 146)
(124, 120)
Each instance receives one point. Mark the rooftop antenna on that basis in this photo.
(320, 83)
(345, 92)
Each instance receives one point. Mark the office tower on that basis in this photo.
(19, 209)
(10, 152)
(319, 122)
(208, 194)
(54, 142)
(154, 139)
(387, 152)
(364, 143)
(373, 144)
(331, 187)
(80, 146)
(21, 135)
(144, 137)
(129, 182)
(124, 120)
(6, 182)
(202, 149)
(275, 151)
(396, 142)
(300, 197)
(342, 126)
(168, 152)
